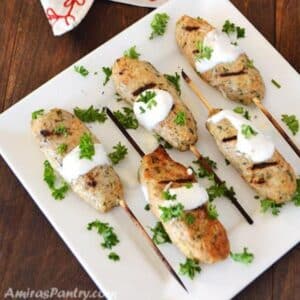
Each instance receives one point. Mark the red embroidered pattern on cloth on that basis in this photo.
(70, 4)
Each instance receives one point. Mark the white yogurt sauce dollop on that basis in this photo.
(150, 117)
(258, 148)
(223, 51)
(190, 197)
(73, 166)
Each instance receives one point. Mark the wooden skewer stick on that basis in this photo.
(262, 108)
(124, 205)
(204, 163)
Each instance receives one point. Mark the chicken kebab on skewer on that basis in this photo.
(159, 108)
(224, 65)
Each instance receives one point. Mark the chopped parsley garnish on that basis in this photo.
(202, 172)
(276, 83)
(160, 236)
(190, 268)
(216, 190)
(36, 114)
(189, 185)
(167, 196)
(113, 256)
(180, 118)
(189, 218)
(172, 212)
(81, 70)
(110, 238)
(163, 142)
(244, 257)
(118, 97)
(205, 52)
(50, 178)
(231, 28)
(147, 207)
(212, 211)
(267, 204)
(86, 146)
(148, 98)
(61, 149)
(242, 111)
(292, 123)
(296, 197)
(61, 130)
(159, 25)
(132, 53)
(127, 118)
(107, 72)
(174, 80)
(119, 153)
(250, 63)
(248, 131)
(90, 115)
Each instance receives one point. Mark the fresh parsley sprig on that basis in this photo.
(86, 146)
(147, 97)
(119, 153)
(230, 28)
(127, 118)
(175, 81)
(244, 257)
(90, 115)
(81, 70)
(248, 131)
(132, 53)
(166, 195)
(107, 72)
(113, 256)
(242, 111)
(190, 268)
(160, 236)
(267, 204)
(212, 211)
(292, 123)
(205, 52)
(50, 178)
(159, 25)
(36, 114)
(110, 238)
(180, 118)
(171, 212)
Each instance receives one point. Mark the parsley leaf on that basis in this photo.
(147, 207)
(61, 149)
(110, 238)
(169, 213)
(296, 197)
(160, 236)
(174, 80)
(248, 131)
(276, 83)
(86, 146)
(230, 28)
(244, 257)
(50, 178)
(180, 118)
(159, 24)
(212, 211)
(267, 204)
(113, 256)
(240, 32)
(127, 118)
(242, 111)
(216, 190)
(292, 122)
(90, 115)
(37, 114)
(204, 51)
(81, 70)
(147, 97)
(119, 153)
(132, 53)
(61, 130)
(250, 63)
(190, 268)
(167, 196)
(107, 72)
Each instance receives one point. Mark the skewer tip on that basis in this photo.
(185, 76)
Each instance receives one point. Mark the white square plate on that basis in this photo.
(140, 274)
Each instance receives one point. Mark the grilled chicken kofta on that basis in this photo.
(204, 239)
(219, 62)
(253, 155)
(155, 101)
(94, 180)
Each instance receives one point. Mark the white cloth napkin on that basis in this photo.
(64, 15)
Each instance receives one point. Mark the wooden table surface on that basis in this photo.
(31, 252)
